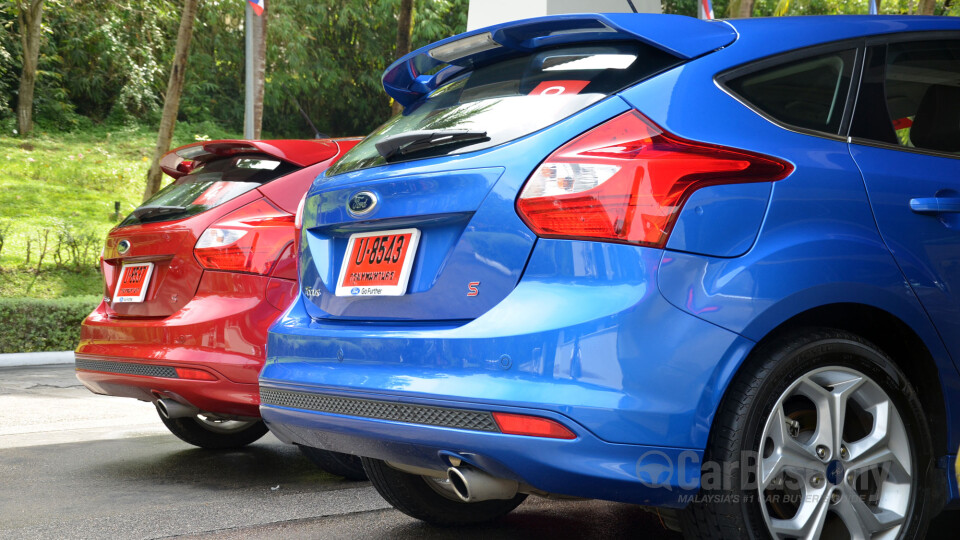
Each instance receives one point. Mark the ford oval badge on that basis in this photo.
(123, 246)
(362, 203)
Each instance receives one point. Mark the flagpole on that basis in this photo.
(248, 75)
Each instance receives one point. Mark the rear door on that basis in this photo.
(906, 141)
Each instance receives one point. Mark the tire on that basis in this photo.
(215, 435)
(337, 463)
(799, 482)
(414, 496)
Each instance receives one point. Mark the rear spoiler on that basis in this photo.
(301, 153)
(420, 72)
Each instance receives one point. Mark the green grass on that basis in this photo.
(70, 181)
(50, 283)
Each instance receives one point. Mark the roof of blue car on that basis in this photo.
(419, 72)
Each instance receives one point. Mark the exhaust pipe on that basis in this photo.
(472, 485)
(171, 409)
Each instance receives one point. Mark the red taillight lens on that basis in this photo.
(250, 239)
(626, 181)
(195, 374)
(531, 426)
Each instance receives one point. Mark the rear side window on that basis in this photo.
(215, 183)
(921, 84)
(809, 93)
(508, 99)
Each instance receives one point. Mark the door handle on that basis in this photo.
(935, 205)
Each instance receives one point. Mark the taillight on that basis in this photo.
(626, 181)
(531, 426)
(250, 239)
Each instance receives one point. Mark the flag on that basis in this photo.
(705, 10)
(257, 6)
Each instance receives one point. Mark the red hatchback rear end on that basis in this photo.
(192, 280)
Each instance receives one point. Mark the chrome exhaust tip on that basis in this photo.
(171, 409)
(472, 485)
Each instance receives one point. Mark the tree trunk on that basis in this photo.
(927, 7)
(259, 67)
(171, 103)
(740, 9)
(404, 31)
(31, 13)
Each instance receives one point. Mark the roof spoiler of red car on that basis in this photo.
(423, 70)
(302, 153)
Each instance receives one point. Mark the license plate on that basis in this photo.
(378, 263)
(133, 283)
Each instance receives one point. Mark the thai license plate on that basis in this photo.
(378, 263)
(133, 283)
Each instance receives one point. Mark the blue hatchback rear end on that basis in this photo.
(629, 257)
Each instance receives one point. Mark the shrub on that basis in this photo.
(34, 325)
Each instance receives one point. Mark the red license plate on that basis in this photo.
(378, 263)
(133, 283)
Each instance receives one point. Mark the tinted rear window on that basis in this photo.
(809, 93)
(215, 183)
(512, 98)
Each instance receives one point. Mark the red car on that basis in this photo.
(192, 280)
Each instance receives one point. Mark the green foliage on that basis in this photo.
(689, 7)
(33, 325)
(107, 61)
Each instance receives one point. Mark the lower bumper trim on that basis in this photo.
(381, 410)
(127, 368)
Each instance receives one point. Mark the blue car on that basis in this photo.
(707, 267)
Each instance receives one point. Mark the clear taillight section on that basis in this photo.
(626, 181)
(250, 239)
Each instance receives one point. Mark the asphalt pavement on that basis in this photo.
(77, 465)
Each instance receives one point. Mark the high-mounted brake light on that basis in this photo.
(226, 149)
(627, 180)
(531, 426)
(249, 239)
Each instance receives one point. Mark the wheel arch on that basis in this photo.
(925, 363)
(898, 340)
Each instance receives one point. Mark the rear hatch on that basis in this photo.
(212, 180)
(418, 221)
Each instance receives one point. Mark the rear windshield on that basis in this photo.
(506, 100)
(204, 188)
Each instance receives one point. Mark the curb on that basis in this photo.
(36, 358)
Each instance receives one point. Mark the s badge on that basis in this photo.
(473, 288)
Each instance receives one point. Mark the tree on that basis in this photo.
(927, 7)
(171, 103)
(29, 16)
(404, 33)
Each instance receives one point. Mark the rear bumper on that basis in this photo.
(222, 330)
(581, 467)
(110, 376)
(585, 339)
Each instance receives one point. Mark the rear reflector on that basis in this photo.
(531, 426)
(250, 239)
(626, 181)
(195, 374)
